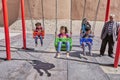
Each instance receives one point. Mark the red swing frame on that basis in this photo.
(6, 27)
(117, 55)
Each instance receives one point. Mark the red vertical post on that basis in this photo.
(23, 24)
(107, 10)
(117, 56)
(6, 29)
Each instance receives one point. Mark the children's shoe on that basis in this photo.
(57, 55)
(84, 53)
(90, 53)
(36, 45)
(68, 55)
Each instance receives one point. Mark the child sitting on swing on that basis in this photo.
(87, 41)
(63, 34)
(38, 29)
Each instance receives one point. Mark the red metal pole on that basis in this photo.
(6, 29)
(107, 10)
(23, 24)
(117, 56)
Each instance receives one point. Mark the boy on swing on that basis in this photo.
(39, 35)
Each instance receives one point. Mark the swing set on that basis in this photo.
(7, 37)
(35, 33)
(89, 40)
(64, 40)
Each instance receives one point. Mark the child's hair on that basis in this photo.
(88, 28)
(64, 27)
(84, 19)
(38, 24)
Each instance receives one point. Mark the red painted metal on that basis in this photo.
(6, 29)
(107, 10)
(117, 56)
(23, 23)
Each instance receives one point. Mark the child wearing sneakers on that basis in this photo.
(63, 34)
(38, 29)
(87, 41)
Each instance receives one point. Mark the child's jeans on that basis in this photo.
(41, 39)
(84, 45)
(60, 45)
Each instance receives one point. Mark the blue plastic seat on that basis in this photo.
(86, 40)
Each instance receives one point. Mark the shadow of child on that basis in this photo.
(39, 65)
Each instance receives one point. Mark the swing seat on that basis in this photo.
(84, 40)
(35, 33)
(63, 48)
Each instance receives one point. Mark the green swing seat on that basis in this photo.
(63, 48)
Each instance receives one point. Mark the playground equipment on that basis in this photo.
(64, 40)
(7, 38)
(23, 24)
(82, 40)
(43, 30)
(89, 40)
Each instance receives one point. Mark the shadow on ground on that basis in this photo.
(27, 50)
(89, 62)
(84, 59)
(39, 65)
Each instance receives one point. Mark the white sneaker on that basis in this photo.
(68, 55)
(57, 55)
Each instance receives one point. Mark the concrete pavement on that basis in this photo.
(38, 63)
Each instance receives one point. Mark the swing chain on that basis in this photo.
(84, 9)
(71, 19)
(94, 24)
(28, 2)
(42, 6)
(96, 14)
(56, 12)
(56, 17)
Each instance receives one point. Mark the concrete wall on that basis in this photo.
(77, 9)
(49, 9)
(13, 11)
(63, 9)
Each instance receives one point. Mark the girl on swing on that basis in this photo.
(39, 30)
(63, 34)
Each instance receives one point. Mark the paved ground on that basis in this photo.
(2, 35)
(38, 63)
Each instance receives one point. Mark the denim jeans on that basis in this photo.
(41, 39)
(84, 47)
(60, 45)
